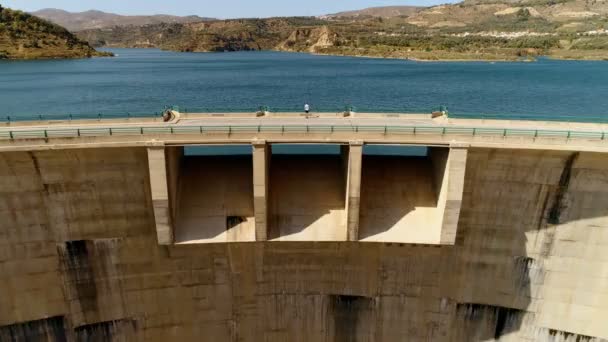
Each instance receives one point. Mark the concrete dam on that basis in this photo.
(112, 231)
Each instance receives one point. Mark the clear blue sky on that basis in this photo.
(214, 8)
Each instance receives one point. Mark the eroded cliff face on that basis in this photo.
(308, 40)
(79, 261)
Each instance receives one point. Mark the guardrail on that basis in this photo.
(302, 129)
(72, 117)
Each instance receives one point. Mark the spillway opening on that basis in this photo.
(307, 193)
(213, 194)
(401, 191)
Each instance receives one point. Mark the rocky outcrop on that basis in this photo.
(308, 39)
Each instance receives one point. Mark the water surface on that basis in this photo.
(145, 81)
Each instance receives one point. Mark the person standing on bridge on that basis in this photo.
(306, 108)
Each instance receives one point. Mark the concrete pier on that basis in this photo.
(353, 189)
(261, 170)
(160, 194)
(450, 198)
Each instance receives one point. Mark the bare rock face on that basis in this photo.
(308, 39)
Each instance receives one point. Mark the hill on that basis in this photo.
(384, 12)
(212, 36)
(470, 30)
(24, 36)
(532, 15)
(97, 19)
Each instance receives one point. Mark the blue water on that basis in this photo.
(300, 149)
(145, 81)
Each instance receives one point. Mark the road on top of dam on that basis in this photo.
(314, 119)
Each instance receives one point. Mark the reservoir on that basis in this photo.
(140, 81)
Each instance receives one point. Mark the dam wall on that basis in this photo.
(81, 258)
(215, 200)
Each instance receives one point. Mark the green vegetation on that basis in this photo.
(24, 36)
(590, 43)
(477, 29)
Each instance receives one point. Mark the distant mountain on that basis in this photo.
(98, 20)
(469, 30)
(24, 36)
(383, 12)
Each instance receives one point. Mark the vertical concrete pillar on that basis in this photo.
(160, 194)
(261, 168)
(353, 189)
(456, 168)
(175, 156)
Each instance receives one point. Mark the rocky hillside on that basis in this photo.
(475, 29)
(97, 19)
(383, 12)
(214, 36)
(24, 36)
(532, 15)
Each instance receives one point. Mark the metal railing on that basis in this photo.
(71, 117)
(300, 129)
(296, 110)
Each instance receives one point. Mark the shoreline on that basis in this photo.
(551, 56)
(414, 59)
(58, 58)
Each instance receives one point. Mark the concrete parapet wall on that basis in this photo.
(79, 256)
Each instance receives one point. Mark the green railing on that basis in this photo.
(70, 117)
(298, 109)
(302, 129)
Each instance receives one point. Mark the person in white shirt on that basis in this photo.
(306, 108)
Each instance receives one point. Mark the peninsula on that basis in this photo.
(24, 36)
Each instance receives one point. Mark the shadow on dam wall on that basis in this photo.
(215, 200)
(307, 196)
(349, 313)
(400, 197)
(389, 196)
(513, 244)
(86, 266)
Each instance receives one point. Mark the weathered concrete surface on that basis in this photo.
(50, 198)
(160, 194)
(262, 153)
(307, 198)
(353, 189)
(450, 196)
(79, 257)
(398, 201)
(215, 200)
(175, 159)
